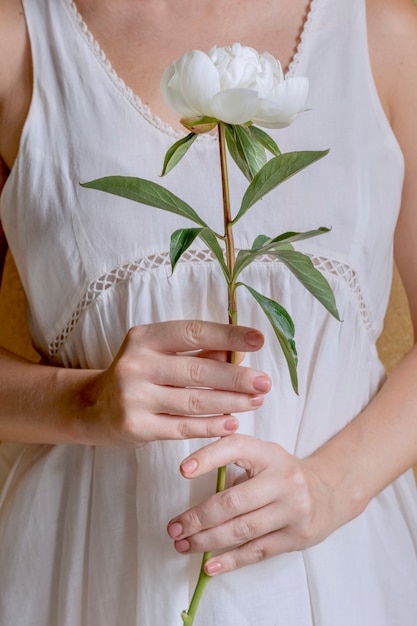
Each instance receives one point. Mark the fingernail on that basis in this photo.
(257, 400)
(188, 467)
(182, 546)
(231, 424)
(253, 339)
(175, 530)
(262, 383)
(213, 567)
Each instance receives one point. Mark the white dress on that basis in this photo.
(82, 529)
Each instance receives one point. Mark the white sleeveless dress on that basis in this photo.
(82, 529)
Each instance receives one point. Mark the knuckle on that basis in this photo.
(237, 379)
(297, 482)
(130, 364)
(193, 332)
(183, 429)
(194, 403)
(122, 371)
(248, 554)
(306, 535)
(193, 521)
(124, 427)
(195, 372)
(239, 444)
(241, 530)
(304, 509)
(135, 334)
(231, 501)
(257, 552)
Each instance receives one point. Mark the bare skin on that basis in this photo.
(287, 503)
(50, 405)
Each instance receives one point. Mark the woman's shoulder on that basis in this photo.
(392, 22)
(390, 11)
(12, 36)
(15, 76)
(392, 35)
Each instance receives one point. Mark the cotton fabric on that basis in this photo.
(83, 529)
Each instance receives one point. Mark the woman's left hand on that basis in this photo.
(283, 506)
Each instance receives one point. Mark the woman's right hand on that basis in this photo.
(170, 380)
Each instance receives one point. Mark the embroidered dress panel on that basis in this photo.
(94, 290)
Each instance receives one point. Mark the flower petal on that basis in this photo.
(189, 84)
(285, 102)
(235, 106)
(172, 97)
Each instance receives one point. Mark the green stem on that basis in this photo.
(203, 579)
(228, 227)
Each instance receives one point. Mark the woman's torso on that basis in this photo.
(93, 265)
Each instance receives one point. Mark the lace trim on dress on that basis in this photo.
(311, 10)
(135, 100)
(119, 83)
(151, 263)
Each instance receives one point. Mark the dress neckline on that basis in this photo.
(135, 100)
(303, 38)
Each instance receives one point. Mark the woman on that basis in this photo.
(324, 530)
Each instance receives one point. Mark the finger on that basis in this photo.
(168, 427)
(203, 402)
(218, 355)
(179, 371)
(246, 452)
(265, 547)
(181, 336)
(242, 478)
(223, 509)
(236, 531)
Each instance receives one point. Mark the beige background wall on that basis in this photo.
(13, 330)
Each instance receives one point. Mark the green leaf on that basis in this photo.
(274, 172)
(247, 151)
(313, 280)
(145, 192)
(251, 149)
(234, 150)
(264, 242)
(209, 238)
(176, 152)
(260, 241)
(264, 139)
(181, 240)
(243, 259)
(283, 327)
(267, 245)
(291, 237)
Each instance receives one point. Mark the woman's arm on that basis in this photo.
(291, 504)
(149, 392)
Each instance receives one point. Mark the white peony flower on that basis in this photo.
(235, 85)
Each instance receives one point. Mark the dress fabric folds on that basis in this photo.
(83, 537)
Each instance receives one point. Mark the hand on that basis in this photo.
(283, 506)
(155, 389)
